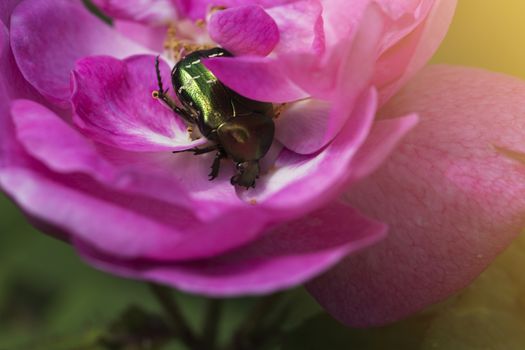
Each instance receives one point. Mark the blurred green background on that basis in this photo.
(48, 297)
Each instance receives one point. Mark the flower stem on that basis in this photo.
(177, 321)
(243, 337)
(211, 323)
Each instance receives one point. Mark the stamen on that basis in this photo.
(214, 9)
(200, 23)
(180, 47)
(270, 170)
(279, 110)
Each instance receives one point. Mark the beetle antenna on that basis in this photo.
(159, 78)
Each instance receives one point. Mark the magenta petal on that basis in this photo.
(6, 9)
(453, 195)
(382, 139)
(259, 78)
(300, 26)
(6, 128)
(300, 183)
(80, 206)
(113, 104)
(245, 30)
(49, 139)
(302, 126)
(146, 12)
(15, 84)
(283, 258)
(12, 86)
(198, 9)
(148, 36)
(342, 24)
(82, 211)
(345, 71)
(48, 36)
(306, 127)
(400, 62)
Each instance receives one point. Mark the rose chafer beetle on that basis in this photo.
(238, 128)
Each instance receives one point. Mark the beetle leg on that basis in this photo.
(198, 151)
(161, 94)
(217, 164)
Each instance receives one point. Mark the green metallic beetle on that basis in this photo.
(239, 128)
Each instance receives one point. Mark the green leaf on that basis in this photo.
(323, 332)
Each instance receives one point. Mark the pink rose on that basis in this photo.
(86, 152)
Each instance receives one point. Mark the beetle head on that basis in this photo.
(247, 172)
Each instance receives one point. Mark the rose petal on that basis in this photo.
(400, 62)
(66, 32)
(113, 105)
(300, 27)
(49, 139)
(6, 9)
(453, 195)
(392, 63)
(258, 78)
(12, 85)
(80, 212)
(343, 88)
(383, 138)
(301, 183)
(403, 16)
(199, 9)
(6, 139)
(245, 30)
(15, 84)
(302, 125)
(186, 177)
(401, 8)
(150, 12)
(193, 9)
(286, 257)
(344, 72)
(80, 206)
(342, 24)
(151, 37)
(295, 75)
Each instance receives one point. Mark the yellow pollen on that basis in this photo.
(155, 94)
(253, 201)
(200, 23)
(270, 170)
(180, 47)
(216, 9)
(279, 110)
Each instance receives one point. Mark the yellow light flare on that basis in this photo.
(488, 34)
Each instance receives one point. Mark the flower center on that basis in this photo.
(237, 128)
(179, 43)
(184, 37)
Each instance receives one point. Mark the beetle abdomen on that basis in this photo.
(247, 137)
